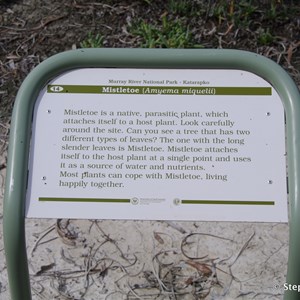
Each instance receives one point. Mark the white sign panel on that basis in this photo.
(158, 144)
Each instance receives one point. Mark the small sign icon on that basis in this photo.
(177, 201)
(56, 88)
(135, 201)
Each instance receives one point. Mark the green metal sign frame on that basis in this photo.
(20, 135)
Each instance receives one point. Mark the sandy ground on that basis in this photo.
(89, 259)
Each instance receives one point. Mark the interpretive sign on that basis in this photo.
(181, 144)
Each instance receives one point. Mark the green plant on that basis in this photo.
(278, 11)
(219, 10)
(181, 7)
(265, 37)
(238, 13)
(170, 34)
(92, 41)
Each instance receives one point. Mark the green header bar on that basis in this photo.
(159, 90)
(228, 202)
(47, 199)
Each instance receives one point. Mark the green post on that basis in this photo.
(16, 180)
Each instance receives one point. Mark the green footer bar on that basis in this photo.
(228, 202)
(46, 199)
